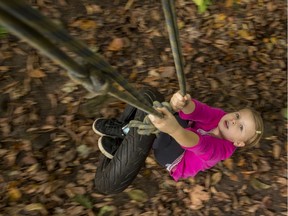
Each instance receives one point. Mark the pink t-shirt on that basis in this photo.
(209, 150)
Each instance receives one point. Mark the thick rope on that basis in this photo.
(30, 25)
(171, 23)
(48, 29)
(146, 127)
(98, 75)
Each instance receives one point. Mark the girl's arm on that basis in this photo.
(168, 124)
(183, 103)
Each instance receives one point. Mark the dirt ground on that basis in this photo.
(235, 56)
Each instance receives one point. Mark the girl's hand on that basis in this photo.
(179, 102)
(168, 124)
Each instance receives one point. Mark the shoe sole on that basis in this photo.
(103, 151)
(96, 131)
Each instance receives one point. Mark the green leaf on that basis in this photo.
(202, 8)
(107, 211)
(138, 195)
(202, 5)
(3, 32)
(258, 185)
(198, 2)
(84, 201)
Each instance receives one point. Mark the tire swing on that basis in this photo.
(97, 76)
(116, 174)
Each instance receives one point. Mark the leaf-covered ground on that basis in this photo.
(235, 56)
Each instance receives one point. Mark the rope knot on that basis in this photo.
(146, 127)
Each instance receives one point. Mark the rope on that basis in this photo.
(171, 23)
(146, 127)
(30, 25)
(96, 75)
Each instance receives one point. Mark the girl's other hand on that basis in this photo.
(168, 124)
(179, 102)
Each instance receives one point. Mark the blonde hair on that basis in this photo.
(259, 127)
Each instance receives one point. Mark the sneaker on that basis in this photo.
(108, 145)
(108, 127)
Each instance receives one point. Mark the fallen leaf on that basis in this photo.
(37, 73)
(229, 163)
(229, 3)
(107, 210)
(258, 185)
(84, 201)
(276, 151)
(85, 24)
(36, 207)
(234, 177)
(245, 34)
(129, 4)
(91, 9)
(167, 71)
(198, 196)
(216, 178)
(14, 194)
(138, 195)
(83, 150)
(116, 44)
(4, 68)
(69, 87)
(220, 17)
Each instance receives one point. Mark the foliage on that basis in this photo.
(202, 5)
(3, 32)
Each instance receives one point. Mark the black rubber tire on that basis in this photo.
(115, 175)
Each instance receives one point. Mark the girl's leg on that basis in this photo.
(113, 127)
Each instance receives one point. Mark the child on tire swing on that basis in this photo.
(194, 139)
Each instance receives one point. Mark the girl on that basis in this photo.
(192, 140)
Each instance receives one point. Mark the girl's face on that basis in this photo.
(237, 127)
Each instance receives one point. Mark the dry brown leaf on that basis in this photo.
(250, 82)
(116, 44)
(245, 34)
(229, 3)
(234, 177)
(91, 9)
(85, 24)
(37, 73)
(276, 151)
(241, 162)
(221, 196)
(36, 207)
(216, 178)
(220, 17)
(198, 196)
(14, 194)
(229, 163)
(4, 68)
(167, 71)
(129, 4)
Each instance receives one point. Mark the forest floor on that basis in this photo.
(235, 56)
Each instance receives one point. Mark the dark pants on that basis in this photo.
(166, 149)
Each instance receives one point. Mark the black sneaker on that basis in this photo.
(108, 145)
(108, 127)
